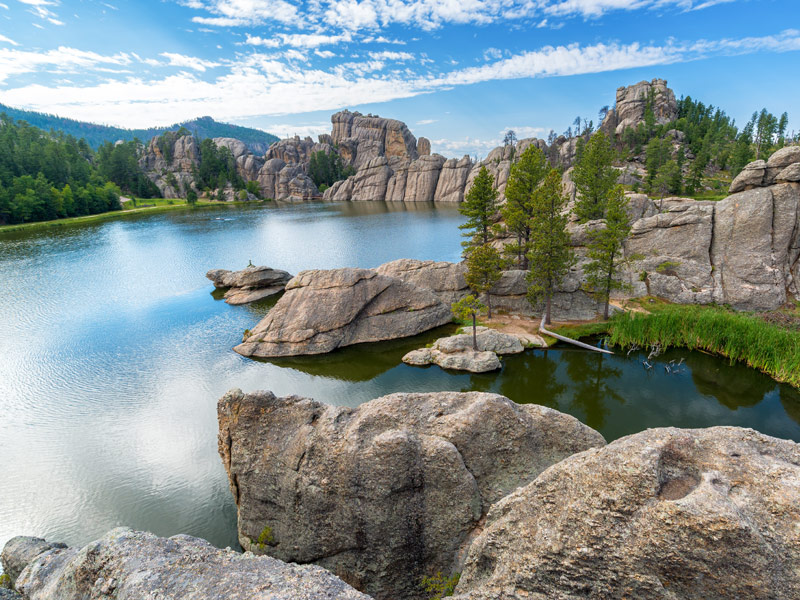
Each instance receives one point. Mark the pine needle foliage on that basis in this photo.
(605, 249)
(479, 207)
(525, 177)
(468, 308)
(594, 177)
(550, 254)
(484, 269)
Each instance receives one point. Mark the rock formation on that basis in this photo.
(632, 101)
(456, 352)
(172, 174)
(132, 565)
(387, 492)
(250, 284)
(666, 513)
(325, 310)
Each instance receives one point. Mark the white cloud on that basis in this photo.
(189, 62)
(427, 121)
(324, 53)
(60, 60)
(39, 8)
(7, 40)
(312, 130)
(267, 85)
(391, 55)
(232, 13)
(298, 40)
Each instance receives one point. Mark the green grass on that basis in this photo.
(160, 205)
(742, 337)
(580, 330)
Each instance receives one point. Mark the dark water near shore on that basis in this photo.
(113, 353)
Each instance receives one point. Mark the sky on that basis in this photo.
(459, 72)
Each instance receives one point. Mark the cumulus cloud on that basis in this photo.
(189, 62)
(259, 84)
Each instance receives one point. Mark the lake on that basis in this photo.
(114, 351)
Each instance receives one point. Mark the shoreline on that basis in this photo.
(113, 214)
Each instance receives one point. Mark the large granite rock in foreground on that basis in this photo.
(133, 565)
(325, 310)
(663, 514)
(390, 491)
(250, 284)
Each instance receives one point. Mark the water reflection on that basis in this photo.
(593, 388)
(114, 350)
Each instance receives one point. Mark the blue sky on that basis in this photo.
(459, 72)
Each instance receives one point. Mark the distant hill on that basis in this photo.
(205, 127)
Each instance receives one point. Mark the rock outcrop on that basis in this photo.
(742, 251)
(250, 284)
(132, 565)
(387, 492)
(173, 170)
(456, 352)
(325, 310)
(633, 100)
(666, 513)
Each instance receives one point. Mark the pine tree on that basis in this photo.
(484, 269)
(525, 177)
(550, 255)
(469, 307)
(594, 176)
(479, 208)
(605, 249)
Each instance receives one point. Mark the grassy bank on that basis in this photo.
(748, 338)
(158, 205)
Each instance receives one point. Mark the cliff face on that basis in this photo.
(390, 163)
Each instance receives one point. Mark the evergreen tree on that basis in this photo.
(550, 254)
(524, 179)
(605, 249)
(469, 307)
(484, 269)
(479, 208)
(667, 177)
(594, 176)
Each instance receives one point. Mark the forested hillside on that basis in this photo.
(45, 177)
(95, 135)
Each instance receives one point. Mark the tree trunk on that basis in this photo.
(474, 334)
(608, 286)
(547, 311)
(489, 304)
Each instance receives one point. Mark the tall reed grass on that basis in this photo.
(738, 336)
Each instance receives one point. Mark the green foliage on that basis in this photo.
(120, 163)
(594, 176)
(217, 168)
(5, 581)
(738, 336)
(656, 155)
(668, 179)
(605, 249)
(667, 267)
(484, 269)
(466, 309)
(327, 168)
(550, 254)
(45, 177)
(440, 586)
(97, 135)
(524, 179)
(266, 537)
(253, 188)
(479, 208)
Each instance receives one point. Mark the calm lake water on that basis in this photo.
(113, 353)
